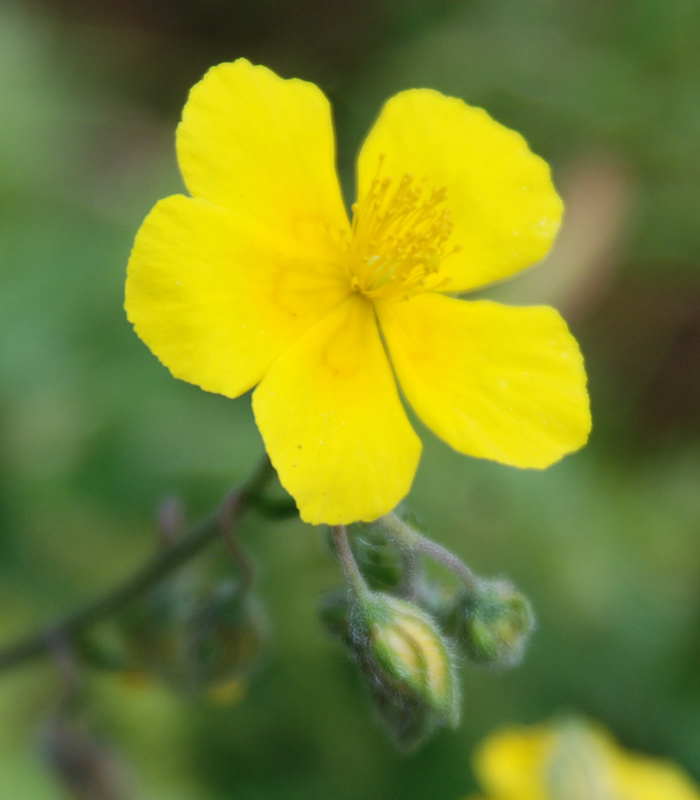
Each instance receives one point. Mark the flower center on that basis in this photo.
(399, 238)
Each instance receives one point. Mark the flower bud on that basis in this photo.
(223, 641)
(408, 666)
(198, 637)
(492, 624)
(153, 630)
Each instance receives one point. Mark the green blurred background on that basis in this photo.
(94, 432)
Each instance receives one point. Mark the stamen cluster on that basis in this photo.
(399, 238)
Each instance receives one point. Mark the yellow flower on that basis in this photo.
(260, 279)
(575, 760)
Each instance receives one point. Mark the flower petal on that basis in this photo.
(512, 763)
(494, 381)
(217, 299)
(504, 207)
(332, 421)
(264, 147)
(646, 778)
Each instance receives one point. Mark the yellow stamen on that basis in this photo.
(399, 237)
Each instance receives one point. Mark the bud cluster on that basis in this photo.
(406, 633)
(198, 635)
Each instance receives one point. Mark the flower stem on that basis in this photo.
(411, 573)
(165, 561)
(347, 561)
(228, 514)
(407, 538)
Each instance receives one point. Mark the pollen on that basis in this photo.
(400, 237)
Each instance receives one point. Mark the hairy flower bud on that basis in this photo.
(224, 638)
(408, 666)
(492, 624)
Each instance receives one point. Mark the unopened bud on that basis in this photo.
(153, 629)
(224, 639)
(408, 665)
(196, 638)
(492, 624)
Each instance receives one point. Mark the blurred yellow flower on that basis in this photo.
(260, 279)
(573, 760)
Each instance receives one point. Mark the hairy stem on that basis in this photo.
(407, 538)
(412, 571)
(348, 563)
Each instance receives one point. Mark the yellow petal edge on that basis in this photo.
(494, 381)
